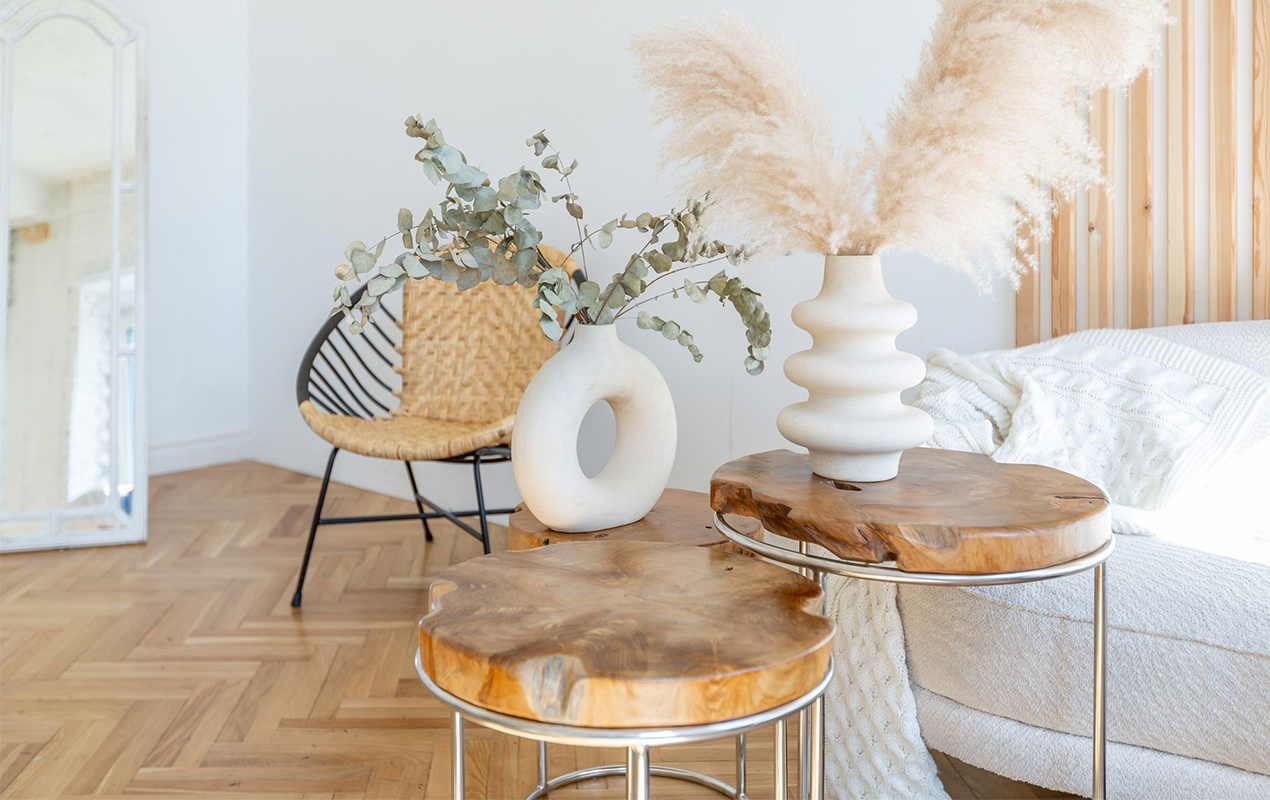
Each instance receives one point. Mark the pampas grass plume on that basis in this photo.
(990, 120)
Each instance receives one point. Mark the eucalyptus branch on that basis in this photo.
(675, 292)
(480, 231)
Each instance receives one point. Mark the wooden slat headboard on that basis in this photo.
(1084, 274)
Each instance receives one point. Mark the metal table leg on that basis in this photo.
(456, 746)
(542, 767)
(780, 765)
(817, 766)
(740, 768)
(1100, 683)
(637, 777)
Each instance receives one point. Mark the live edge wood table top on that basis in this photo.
(946, 511)
(624, 634)
(680, 517)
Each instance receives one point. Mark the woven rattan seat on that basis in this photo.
(404, 437)
(460, 360)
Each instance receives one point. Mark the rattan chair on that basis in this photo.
(461, 360)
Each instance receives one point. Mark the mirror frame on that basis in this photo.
(116, 30)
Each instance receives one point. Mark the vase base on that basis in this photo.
(856, 467)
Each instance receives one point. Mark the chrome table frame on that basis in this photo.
(637, 742)
(812, 720)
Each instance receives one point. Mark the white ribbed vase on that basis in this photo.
(594, 366)
(853, 422)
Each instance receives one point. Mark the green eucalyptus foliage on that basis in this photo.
(480, 231)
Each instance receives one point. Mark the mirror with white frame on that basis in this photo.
(72, 158)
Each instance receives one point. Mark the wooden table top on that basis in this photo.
(680, 517)
(618, 634)
(946, 511)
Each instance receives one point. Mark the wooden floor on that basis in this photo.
(178, 668)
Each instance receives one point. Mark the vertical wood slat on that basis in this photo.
(1027, 301)
(1101, 265)
(1261, 159)
(1222, 233)
(1063, 266)
(1180, 307)
(1140, 202)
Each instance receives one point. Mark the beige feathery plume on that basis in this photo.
(991, 115)
(751, 132)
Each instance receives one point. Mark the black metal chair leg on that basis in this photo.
(414, 492)
(317, 517)
(480, 500)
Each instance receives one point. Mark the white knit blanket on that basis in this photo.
(1132, 411)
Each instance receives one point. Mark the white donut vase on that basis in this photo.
(595, 366)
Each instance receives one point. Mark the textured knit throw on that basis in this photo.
(1135, 413)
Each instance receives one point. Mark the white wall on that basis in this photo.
(197, 312)
(331, 84)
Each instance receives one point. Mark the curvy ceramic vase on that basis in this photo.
(853, 422)
(595, 366)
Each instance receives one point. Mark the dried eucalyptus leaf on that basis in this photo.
(603, 239)
(378, 285)
(344, 272)
(363, 262)
(631, 283)
(574, 209)
(671, 330)
(658, 261)
(550, 327)
(694, 292)
(588, 293)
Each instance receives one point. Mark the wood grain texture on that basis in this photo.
(947, 511)
(1102, 233)
(229, 539)
(1261, 159)
(680, 517)
(624, 634)
(1063, 266)
(1222, 223)
(1027, 301)
(1180, 306)
(1141, 297)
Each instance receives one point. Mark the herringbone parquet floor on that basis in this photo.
(178, 669)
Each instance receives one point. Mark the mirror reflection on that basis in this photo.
(69, 405)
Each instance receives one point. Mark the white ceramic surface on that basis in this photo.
(853, 422)
(595, 366)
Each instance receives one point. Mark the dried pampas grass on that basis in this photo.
(991, 116)
(755, 135)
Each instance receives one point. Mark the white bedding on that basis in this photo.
(1145, 415)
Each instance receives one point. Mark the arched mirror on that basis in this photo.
(72, 366)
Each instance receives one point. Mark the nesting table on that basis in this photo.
(623, 644)
(948, 519)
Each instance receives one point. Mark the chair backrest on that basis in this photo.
(468, 356)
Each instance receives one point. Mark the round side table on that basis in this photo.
(948, 519)
(628, 644)
(680, 517)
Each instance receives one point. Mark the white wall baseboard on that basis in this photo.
(195, 453)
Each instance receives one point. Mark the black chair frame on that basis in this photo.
(336, 376)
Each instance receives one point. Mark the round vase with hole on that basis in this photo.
(595, 366)
(853, 422)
